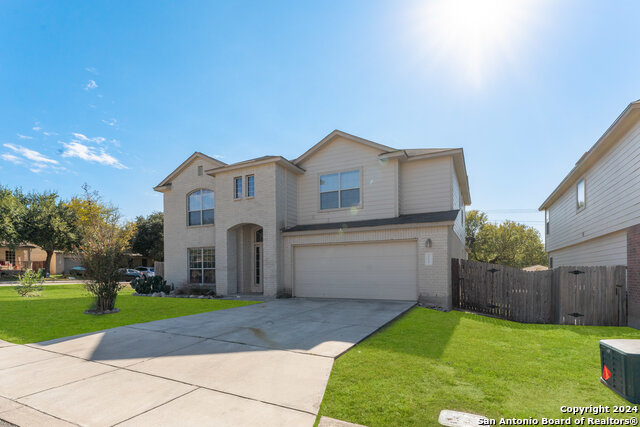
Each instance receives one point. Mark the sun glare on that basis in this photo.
(473, 37)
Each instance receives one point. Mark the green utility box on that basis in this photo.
(620, 367)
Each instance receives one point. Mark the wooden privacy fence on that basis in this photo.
(564, 296)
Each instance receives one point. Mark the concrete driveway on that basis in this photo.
(264, 364)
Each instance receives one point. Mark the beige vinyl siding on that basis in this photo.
(425, 185)
(612, 197)
(458, 225)
(178, 237)
(456, 197)
(378, 192)
(606, 250)
(292, 199)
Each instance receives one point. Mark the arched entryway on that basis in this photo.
(245, 256)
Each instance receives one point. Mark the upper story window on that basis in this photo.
(581, 196)
(340, 190)
(250, 185)
(237, 187)
(546, 221)
(201, 207)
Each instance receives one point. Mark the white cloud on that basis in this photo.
(11, 158)
(31, 154)
(48, 133)
(91, 85)
(218, 156)
(90, 154)
(92, 70)
(24, 137)
(35, 161)
(110, 122)
(81, 137)
(36, 128)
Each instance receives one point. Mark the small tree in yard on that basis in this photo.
(30, 284)
(102, 249)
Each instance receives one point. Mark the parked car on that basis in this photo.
(146, 271)
(128, 274)
(77, 271)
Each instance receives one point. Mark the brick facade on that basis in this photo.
(633, 275)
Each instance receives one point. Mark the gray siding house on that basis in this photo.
(349, 218)
(593, 216)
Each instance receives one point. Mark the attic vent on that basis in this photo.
(199, 170)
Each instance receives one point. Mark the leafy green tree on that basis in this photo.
(104, 242)
(149, 237)
(50, 224)
(474, 221)
(12, 216)
(509, 243)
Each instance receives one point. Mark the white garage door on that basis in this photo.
(381, 270)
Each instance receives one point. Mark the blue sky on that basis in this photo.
(117, 94)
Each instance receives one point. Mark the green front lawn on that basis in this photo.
(428, 361)
(58, 312)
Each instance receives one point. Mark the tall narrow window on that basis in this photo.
(250, 186)
(201, 207)
(546, 221)
(340, 190)
(202, 265)
(581, 197)
(237, 188)
(258, 266)
(200, 170)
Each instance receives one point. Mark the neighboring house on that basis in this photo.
(593, 216)
(29, 256)
(349, 218)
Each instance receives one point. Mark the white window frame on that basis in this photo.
(237, 195)
(202, 268)
(579, 208)
(547, 221)
(201, 210)
(253, 178)
(358, 206)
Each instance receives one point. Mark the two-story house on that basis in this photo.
(593, 216)
(349, 218)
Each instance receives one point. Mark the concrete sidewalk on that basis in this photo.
(47, 283)
(264, 364)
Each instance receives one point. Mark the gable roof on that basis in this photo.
(256, 162)
(335, 134)
(625, 120)
(166, 183)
